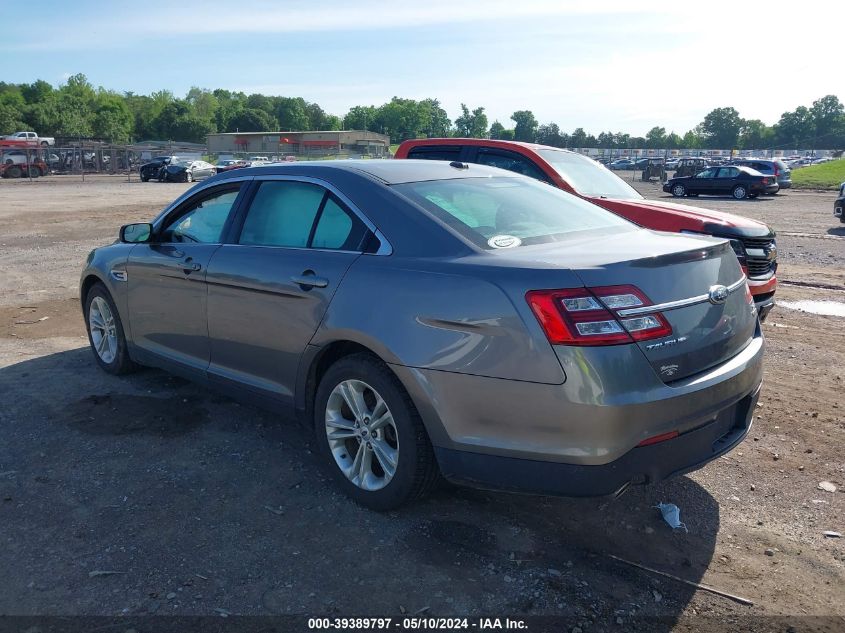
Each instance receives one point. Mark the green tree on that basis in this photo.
(549, 134)
(360, 118)
(578, 138)
(10, 119)
(829, 122)
(471, 124)
(438, 123)
(526, 126)
(691, 140)
(721, 127)
(755, 135)
(795, 128)
(496, 130)
(292, 114)
(252, 120)
(656, 138)
(112, 119)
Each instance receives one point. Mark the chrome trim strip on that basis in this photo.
(680, 303)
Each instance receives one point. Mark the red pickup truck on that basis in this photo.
(753, 242)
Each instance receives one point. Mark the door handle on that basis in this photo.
(309, 280)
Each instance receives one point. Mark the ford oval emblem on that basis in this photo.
(717, 295)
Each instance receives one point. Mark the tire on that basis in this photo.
(740, 192)
(33, 171)
(13, 172)
(679, 191)
(112, 355)
(369, 385)
(144, 178)
(189, 177)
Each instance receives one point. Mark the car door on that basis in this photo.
(166, 279)
(268, 292)
(702, 182)
(725, 180)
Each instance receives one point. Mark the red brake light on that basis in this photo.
(590, 316)
(765, 181)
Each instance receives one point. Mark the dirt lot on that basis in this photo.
(204, 506)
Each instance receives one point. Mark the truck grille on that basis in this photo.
(760, 266)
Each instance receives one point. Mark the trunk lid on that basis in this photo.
(667, 269)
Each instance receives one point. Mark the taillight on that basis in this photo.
(765, 181)
(590, 316)
(777, 171)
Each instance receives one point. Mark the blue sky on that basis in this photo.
(606, 65)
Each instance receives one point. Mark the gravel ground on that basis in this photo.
(204, 506)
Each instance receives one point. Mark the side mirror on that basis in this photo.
(136, 233)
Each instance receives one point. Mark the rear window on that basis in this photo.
(782, 166)
(508, 212)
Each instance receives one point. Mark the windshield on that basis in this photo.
(588, 177)
(508, 212)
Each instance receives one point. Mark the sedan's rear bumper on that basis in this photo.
(582, 437)
(640, 465)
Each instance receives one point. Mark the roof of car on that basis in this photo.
(390, 172)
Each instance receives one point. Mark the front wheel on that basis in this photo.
(189, 177)
(370, 434)
(105, 332)
(679, 191)
(740, 192)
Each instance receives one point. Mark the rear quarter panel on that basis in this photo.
(436, 317)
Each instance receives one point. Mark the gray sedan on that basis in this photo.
(436, 319)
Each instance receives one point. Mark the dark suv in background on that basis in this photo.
(776, 168)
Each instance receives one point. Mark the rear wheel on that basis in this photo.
(13, 172)
(105, 332)
(679, 191)
(33, 171)
(370, 434)
(740, 192)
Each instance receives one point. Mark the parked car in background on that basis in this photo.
(31, 137)
(839, 204)
(15, 163)
(775, 168)
(727, 180)
(153, 169)
(752, 241)
(430, 319)
(622, 163)
(227, 165)
(671, 163)
(182, 170)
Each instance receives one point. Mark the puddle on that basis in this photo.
(827, 308)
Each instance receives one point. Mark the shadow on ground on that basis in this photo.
(192, 502)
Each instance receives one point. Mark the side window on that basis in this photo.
(446, 152)
(707, 173)
(728, 172)
(511, 162)
(282, 214)
(338, 229)
(202, 221)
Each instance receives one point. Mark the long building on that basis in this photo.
(347, 142)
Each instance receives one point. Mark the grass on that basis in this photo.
(825, 176)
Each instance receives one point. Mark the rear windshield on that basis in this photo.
(506, 212)
(588, 177)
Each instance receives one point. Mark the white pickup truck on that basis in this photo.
(30, 137)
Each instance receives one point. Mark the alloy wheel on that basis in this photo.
(103, 329)
(678, 191)
(362, 435)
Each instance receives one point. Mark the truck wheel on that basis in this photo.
(33, 171)
(13, 172)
